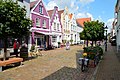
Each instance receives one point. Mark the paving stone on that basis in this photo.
(109, 68)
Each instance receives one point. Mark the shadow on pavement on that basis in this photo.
(68, 73)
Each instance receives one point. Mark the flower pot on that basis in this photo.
(92, 63)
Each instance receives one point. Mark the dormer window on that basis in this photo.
(41, 9)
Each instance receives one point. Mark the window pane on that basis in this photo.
(54, 26)
(40, 9)
(58, 26)
(44, 23)
(37, 22)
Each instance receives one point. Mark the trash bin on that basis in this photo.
(24, 53)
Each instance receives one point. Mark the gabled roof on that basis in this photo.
(32, 4)
(60, 12)
(70, 16)
(50, 12)
(80, 21)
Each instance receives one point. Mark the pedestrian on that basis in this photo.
(67, 46)
(16, 47)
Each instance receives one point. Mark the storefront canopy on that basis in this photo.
(37, 30)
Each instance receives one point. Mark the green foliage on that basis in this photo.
(13, 21)
(32, 48)
(64, 41)
(93, 31)
(93, 51)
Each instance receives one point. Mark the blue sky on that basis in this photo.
(102, 10)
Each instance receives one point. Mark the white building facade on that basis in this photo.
(117, 16)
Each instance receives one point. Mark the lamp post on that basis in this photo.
(106, 38)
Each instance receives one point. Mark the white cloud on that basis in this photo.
(86, 1)
(109, 24)
(51, 5)
(77, 8)
(84, 15)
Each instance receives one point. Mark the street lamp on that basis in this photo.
(106, 38)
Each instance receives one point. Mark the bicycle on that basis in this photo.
(84, 62)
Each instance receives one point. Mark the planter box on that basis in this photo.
(24, 53)
(92, 63)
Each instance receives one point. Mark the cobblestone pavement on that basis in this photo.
(109, 68)
(58, 64)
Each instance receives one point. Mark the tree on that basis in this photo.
(13, 21)
(93, 31)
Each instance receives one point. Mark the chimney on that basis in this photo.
(56, 7)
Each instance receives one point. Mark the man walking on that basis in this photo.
(16, 47)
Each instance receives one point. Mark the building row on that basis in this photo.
(52, 27)
(115, 32)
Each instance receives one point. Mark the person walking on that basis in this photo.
(16, 47)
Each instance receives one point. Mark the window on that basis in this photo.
(40, 8)
(44, 23)
(58, 26)
(54, 38)
(37, 22)
(54, 27)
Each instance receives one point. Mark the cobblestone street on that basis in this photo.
(58, 64)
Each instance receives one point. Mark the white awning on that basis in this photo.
(37, 30)
(33, 29)
(45, 33)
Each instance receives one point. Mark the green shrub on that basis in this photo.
(93, 51)
(32, 47)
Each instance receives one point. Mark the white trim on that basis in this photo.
(35, 5)
(40, 14)
(32, 10)
(43, 33)
(58, 34)
(37, 29)
(45, 7)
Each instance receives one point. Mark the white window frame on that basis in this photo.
(58, 27)
(54, 27)
(44, 24)
(38, 22)
(40, 8)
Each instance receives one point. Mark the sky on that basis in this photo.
(102, 10)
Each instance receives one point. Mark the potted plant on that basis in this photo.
(94, 54)
(71, 41)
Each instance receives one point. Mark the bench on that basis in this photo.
(10, 61)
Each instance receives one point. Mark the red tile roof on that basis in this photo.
(60, 12)
(81, 21)
(32, 4)
(50, 12)
(70, 16)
